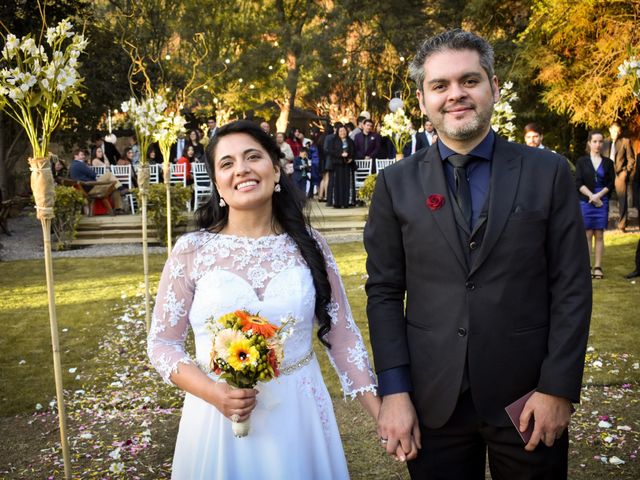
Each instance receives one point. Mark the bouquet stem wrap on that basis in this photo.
(241, 429)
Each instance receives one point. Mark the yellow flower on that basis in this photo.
(242, 354)
(224, 339)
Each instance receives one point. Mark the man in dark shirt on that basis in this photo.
(367, 142)
(82, 172)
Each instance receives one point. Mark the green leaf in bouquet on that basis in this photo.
(35, 99)
(76, 100)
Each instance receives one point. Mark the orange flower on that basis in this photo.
(256, 323)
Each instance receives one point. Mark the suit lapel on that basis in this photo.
(434, 183)
(505, 175)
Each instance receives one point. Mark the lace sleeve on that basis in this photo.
(170, 322)
(348, 354)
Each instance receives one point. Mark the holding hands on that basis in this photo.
(398, 427)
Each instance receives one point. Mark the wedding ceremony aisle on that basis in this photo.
(123, 419)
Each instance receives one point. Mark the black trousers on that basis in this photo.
(638, 256)
(457, 451)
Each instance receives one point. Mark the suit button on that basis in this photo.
(470, 286)
(462, 332)
(473, 245)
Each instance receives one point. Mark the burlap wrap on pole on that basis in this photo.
(42, 187)
(166, 172)
(143, 178)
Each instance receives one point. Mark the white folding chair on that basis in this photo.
(177, 177)
(123, 173)
(381, 163)
(362, 172)
(154, 173)
(99, 170)
(202, 185)
(177, 174)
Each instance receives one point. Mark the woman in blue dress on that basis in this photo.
(594, 180)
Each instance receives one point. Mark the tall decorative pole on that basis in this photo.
(166, 135)
(37, 80)
(146, 116)
(43, 192)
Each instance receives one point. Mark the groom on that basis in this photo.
(479, 288)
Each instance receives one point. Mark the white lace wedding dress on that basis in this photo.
(293, 428)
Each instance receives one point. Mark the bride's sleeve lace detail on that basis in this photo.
(348, 353)
(170, 320)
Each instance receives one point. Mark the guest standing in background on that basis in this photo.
(620, 151)
(342, 153)
(194, 141)
(594, 180)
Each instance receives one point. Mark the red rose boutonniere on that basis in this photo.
(435, 201)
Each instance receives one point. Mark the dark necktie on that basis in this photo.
(463, 192)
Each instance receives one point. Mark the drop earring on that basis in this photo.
(277, 188)
(222, 203)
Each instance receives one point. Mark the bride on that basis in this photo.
(255, 252)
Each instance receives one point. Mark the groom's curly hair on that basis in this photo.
(288, 213)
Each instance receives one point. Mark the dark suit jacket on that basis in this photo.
(519, 315)
(625, 158)
(111, 152)
(586, 175)
(372, 149)
(334, 152)
(173, 156)
(421, 142)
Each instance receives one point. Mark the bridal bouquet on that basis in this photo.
(247, 349)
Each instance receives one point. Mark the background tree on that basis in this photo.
(574, 48)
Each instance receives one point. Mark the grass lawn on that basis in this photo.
(123, 420)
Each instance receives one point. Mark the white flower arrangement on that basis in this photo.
(36, 80)
(147, 115)
(397, 126)
(167, 132)
(503, 114)
(630, 69)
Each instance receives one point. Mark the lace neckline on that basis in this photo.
(241, 238)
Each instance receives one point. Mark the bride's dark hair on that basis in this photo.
(288, 205)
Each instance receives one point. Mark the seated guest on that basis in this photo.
(98, 159)
(188, 158)
(128, 160)
(59, 169)
(194, 141)
(80, 171)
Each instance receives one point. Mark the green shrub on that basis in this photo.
(67, 212)
(366, 191)
(157, 207)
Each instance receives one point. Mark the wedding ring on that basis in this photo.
(235, 417)
(383, 441)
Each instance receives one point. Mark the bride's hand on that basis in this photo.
(233, 401)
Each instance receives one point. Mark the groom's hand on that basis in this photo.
(551, 416)
(398, 424)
